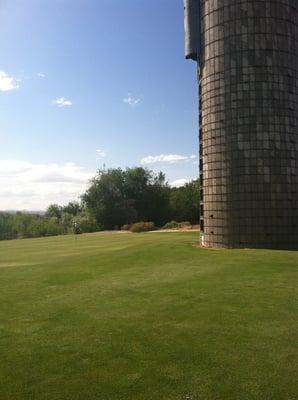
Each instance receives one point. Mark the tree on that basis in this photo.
(185, 202)
(54, 211)
(149, 194)
(84, 222)
(106, 201)
(66, 221)
(117, 197)
(72, 208)
(6, 226)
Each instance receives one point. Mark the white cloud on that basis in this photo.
(101, 153)
(166, 158)
(41, 75)
(7, 82)
(179, 182)
(32, 186)
(131, 100)
(62, 102)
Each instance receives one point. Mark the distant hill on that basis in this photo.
(23, 211)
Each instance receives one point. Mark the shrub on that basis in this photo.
(185, 224)
(126, 227)
(171, 225)
(142, 227)
(53, 228)
(84, 223)
(177, 225)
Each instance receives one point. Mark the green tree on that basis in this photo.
(117, 197)
(149, 195)
(84, 223)
(6, 226)
(114, 198)
(21, 224)
(54, 210)
(185, 202)
(72, 208)
(105, 198)
(66, 222)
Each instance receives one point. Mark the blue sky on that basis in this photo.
(77, 76)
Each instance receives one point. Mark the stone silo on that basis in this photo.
(247, 52)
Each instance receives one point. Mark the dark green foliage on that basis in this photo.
(142, 227)
(107, 201)
(185, 202)
(27, 225)
(117, 197)
(54, 211)
(30, 225)
(72, 208)
(6, 226)
(53, 228)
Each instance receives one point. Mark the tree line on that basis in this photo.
(115, 198)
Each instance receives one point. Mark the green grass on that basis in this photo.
(145, 316)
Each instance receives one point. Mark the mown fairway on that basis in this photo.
(145, 316)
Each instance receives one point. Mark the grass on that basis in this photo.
(145, 316)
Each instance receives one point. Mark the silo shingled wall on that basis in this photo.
(247, 57)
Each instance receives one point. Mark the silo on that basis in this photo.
(246, 52)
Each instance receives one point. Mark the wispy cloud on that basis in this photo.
(101, 153)
(179, 182)
(62, 102)
(132, 100)
(33, 186)
(167, 158)
(7, 82)
(41, 75)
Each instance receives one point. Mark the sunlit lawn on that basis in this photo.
(146, 316)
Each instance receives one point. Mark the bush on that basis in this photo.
(171, 225)
(53, 228)
(177, 225)
(185, 224)
(84, 223)
(126, 227)
(142, 227)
